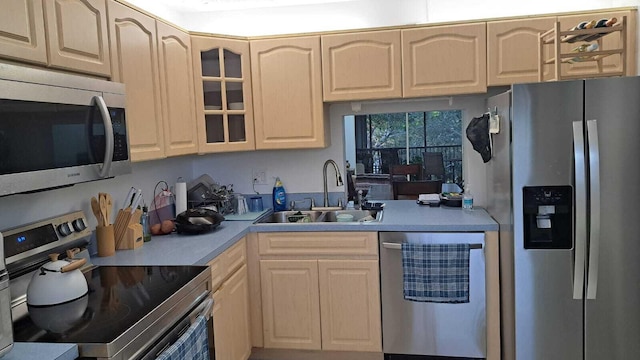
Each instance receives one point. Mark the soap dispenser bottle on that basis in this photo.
(279, 196)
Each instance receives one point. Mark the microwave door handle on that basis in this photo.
(108, 136)
(580, 230)
(594, 219)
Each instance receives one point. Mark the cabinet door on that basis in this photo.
(512, 50)
(444, 60)
(77, 35)
(287, 93)
(177, 91)
(236, 293)
(221, 335)
(22, 31)
(362, 66)
(135, 62)
(290, 303)
(350, 305)
(609, 42)
(224, 104)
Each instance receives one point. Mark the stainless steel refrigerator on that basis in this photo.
(563, 184)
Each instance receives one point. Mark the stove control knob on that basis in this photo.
(64, 229)
(79, 225)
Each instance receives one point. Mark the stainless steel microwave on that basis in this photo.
(58, 129)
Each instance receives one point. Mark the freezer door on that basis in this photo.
(548, 320)
(613, 316)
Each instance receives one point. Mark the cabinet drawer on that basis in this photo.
(326, 243)
(228, 263)
(235, 256)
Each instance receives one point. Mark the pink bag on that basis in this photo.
(163, 205)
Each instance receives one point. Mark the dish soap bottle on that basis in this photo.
(467, 198)
(279, 196)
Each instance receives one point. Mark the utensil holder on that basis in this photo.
(132, 238)
(106, 240)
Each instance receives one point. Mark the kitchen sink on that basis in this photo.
(315, 217)
(350, 216)
(285, 217)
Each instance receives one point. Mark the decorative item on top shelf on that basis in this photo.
(586, 31)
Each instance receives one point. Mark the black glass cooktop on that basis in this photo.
(119, 296)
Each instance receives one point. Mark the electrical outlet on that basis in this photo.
(259, 176)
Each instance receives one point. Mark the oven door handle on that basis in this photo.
(203, 309)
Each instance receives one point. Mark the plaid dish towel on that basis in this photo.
(192, 345)
(436, 272)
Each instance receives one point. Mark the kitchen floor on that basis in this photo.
(277, 354)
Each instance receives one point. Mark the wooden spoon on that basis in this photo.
(95, 207)
(103, 209)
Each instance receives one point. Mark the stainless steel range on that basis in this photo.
(130, 312)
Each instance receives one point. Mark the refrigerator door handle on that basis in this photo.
(580, 244)
(594, 218)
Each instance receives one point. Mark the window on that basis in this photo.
(430, 138)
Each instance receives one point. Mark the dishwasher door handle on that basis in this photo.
(398, 246)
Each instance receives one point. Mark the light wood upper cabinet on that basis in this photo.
(365, 65)
(177, 91)
(350, 305)
(444, 60)
(224, 103)
(287, 93)
(290, 300)
(134, 53)
(512, 50)
(77, 35)
(610, 41)
(22, 35)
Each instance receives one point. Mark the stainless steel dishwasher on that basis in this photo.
(431, 329)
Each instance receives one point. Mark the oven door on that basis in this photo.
(180, 335)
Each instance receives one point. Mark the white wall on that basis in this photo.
(363, 13)
(21, 209)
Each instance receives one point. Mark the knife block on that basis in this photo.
(132, 238)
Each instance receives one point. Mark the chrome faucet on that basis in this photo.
(324, 177)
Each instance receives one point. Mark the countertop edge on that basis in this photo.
(39, 351)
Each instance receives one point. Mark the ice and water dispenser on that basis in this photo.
(548, 217)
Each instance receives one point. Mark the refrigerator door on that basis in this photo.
(499, 206)
(613, 317)
(548, 320)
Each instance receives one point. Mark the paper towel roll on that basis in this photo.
(181, 197)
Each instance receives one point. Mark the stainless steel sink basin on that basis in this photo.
(350, 216)
(285, 217)
(314, 216)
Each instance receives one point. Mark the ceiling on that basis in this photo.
(185, 6)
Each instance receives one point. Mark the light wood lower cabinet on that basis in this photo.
(290, 303)
(231, 319)
(350, 305)
(314, 297)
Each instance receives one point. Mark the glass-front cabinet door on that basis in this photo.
(223, 94)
